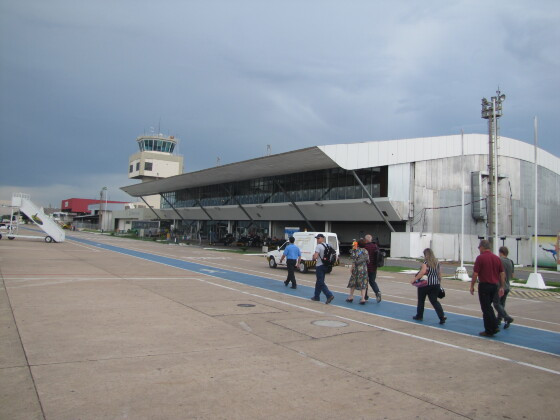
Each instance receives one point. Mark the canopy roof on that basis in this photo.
(347, 156)
(303, 160)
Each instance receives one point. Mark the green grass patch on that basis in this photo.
(240, 250)
(555, 284)
(395, 269)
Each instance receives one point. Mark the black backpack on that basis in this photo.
(380, 258)
(329, 255)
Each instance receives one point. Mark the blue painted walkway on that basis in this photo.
(532, 338)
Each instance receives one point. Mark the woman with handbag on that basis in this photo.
(359, 275)
(429, 286)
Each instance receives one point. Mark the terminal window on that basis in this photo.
(328, 184)
(148, 166)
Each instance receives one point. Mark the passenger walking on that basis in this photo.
(489, 272)
(321, 270)
(430, 268)
(292, 254)
(359, 272)
(500, 302)
(373, 251)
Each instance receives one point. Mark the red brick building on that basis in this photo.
(80, 205)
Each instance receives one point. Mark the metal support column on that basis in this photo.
(372, 201)
(167, 201)
(151, 208)
(295, 206)
(204, 210)
(239, 204)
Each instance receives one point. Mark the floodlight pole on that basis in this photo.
(495, 176)
(535, 279)
(462, 198)
(461, 272)
(536, 197)
(491, 111)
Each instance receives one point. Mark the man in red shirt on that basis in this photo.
(372, 249)
(489, 271)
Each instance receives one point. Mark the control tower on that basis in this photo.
(155, 160)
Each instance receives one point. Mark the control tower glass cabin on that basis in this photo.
(155, 160)
(156, 143)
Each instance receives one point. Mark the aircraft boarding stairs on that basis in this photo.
(50, 227)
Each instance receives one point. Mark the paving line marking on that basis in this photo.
(167, 255)
(377, 326)
(50, 281)
(177, 257)
(267, 273)
(339, 288)
(467, 291)
(69, 280)
(506, 359)
(119, 251)
(430, 340)
(96, 278)
(11, 248)
(85, 246)
(477, 310)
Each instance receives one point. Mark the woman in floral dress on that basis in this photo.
(359, 275)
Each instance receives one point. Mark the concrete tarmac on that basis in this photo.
(91, 333)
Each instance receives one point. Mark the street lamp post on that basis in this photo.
(461, 272)
(101, 215)
(492, 111)
(535, 279)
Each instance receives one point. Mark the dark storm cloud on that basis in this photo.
(81, 80)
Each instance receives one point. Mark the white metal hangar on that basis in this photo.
(376, 187)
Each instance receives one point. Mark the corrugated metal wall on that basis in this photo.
(437, 197)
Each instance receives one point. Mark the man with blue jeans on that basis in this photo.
(293, 256)
(321, 270)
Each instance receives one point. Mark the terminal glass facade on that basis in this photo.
(322, 185)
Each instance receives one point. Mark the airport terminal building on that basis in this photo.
(378, 187)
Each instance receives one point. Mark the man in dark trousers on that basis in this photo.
(320, 271)
(373, 250)
(293, 256)
(489, 271)
(500, 302)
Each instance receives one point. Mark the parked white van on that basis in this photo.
(307, 243)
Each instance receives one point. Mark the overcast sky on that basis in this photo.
(80, 80)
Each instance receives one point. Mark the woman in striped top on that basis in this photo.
(430, 268)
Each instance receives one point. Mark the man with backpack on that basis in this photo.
(322, 253)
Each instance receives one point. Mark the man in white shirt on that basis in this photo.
(321, 270)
